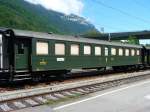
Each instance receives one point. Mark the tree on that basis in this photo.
(133, 40)
(92, 33)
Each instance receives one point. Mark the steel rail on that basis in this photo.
(18, 94)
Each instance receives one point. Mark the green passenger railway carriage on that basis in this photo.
(26, 54)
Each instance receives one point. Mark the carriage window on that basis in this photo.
(120, 52)
(138, 52)
(21, 48)
(113, 51)
(74, 49)
(132, 52)
(106, 51)
(87, 50)
(97, 51)
(127, 52)
(59, 49)
(42, 48)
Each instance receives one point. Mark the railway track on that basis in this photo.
(19, 99)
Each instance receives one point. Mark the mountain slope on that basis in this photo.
(23, 15)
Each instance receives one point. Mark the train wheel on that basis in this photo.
(101, 69)
(36, 78)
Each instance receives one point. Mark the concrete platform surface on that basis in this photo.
(133, 97)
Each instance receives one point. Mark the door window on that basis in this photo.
(21, 48)
(106, 51)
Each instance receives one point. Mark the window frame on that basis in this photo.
(46, 42)
(20, 49)
(132, 52)
(127, 49)
(113, 48)
(106, 52)
(98, 54)
(87, 54)
(119, 51)
(64, 52)
(138, 52)
(71, 49)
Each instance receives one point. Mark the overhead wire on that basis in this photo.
(115, 28)
(139, 4)
(121, 11)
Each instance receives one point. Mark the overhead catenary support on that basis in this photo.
(123, 35)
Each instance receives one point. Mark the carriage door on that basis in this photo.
(22, 54)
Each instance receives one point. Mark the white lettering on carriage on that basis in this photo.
(60, 59)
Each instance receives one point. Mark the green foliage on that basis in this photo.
(147, 45)
(133, 40)
(92, 33)
(23, 15)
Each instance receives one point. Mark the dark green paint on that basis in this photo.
(80, 61)
(22, 59)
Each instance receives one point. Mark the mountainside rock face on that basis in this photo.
(23, 15)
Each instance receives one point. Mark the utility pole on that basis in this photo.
(102, 29)
(109, 37)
